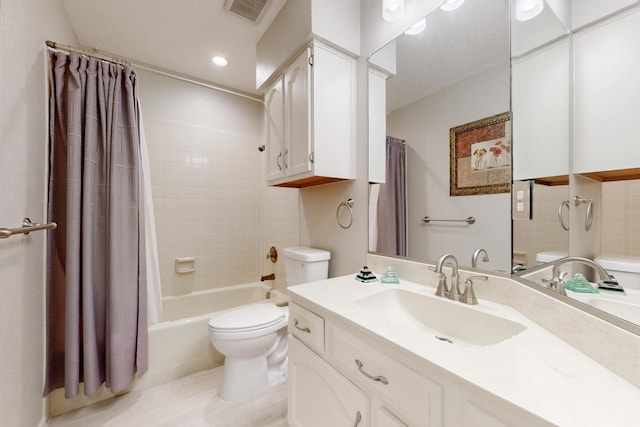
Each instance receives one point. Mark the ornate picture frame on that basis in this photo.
(480, 159)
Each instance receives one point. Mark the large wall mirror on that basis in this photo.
(422, 85)
(574, 99)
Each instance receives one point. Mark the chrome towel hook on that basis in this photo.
(348, 204)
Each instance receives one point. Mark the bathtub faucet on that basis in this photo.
(271, 276)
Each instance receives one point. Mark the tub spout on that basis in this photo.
(271, 276)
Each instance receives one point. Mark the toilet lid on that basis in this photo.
(251, 317)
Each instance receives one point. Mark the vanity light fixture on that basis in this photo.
(220, 61)
(392, 10)
(528, 9)
(451, 5)
(417, 28)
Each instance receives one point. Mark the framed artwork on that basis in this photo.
(480, 159)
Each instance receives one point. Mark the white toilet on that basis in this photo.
(253, 338)
(626, 269)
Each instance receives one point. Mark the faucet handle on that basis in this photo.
(443, 289)
(469, 296)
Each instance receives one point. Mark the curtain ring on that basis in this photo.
(349, 205)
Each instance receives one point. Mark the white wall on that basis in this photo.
(210, 199)
(24, 27)
(425, 126)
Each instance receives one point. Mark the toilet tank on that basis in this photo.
(304, 265)
(626, 269)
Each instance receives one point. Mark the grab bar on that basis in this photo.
(469, 220)
(27, 227)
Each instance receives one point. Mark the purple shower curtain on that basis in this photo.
(96, 284)
(392, 204)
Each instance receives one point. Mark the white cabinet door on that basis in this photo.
(318, 395)
(274, 144)
(384, 418)
(541, 113)
(297, 102)
(607, 109)
(377, 126)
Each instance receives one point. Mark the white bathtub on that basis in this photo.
(180, 345)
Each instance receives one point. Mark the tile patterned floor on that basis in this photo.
(192, 401)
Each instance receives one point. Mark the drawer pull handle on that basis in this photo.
(379, 378)
(358, 419)
(295, 323)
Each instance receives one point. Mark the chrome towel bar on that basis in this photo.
(27, 227)
(469, 220)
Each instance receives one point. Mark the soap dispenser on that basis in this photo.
(366, 276)
(390, 277)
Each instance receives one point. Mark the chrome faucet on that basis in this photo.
(442, 290)
(469, 296)
(476, 255)
(557, 281)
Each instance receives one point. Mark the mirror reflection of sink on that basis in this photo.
(630, 312)
(451, 321)
(623, 305)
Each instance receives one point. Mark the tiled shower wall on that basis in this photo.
(211, 203)
(621, 218)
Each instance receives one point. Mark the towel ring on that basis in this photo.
(349, 205)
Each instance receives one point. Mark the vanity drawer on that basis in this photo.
(307, 326)
(403, 390)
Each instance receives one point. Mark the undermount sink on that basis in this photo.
(447, 320)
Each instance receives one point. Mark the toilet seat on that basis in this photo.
(248, 319)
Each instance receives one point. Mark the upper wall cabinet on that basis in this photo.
(584, 12)
(310, 123)
(607, 95)
(540, 104)
(336, 22)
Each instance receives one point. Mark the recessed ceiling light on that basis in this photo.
(220, 61)
(451, 5)
(528, 9)
(392, 10)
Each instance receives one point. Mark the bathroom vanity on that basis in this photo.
(396, 355)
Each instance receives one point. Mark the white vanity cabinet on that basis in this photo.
(319, 395)
(310, 120)
(341, 375)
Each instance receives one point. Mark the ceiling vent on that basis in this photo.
(251, 10)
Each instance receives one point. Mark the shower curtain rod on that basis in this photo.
(123, 61)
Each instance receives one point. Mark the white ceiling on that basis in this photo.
(455, 46)
(176, 35)
(183, 35)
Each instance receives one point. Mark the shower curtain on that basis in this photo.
(391, 209)
(96, 284)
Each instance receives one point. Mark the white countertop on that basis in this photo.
(534, 370)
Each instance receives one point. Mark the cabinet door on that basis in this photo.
(319, 395)
(298, 129)
(607, 95)
(384, 418)
(274, 110)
